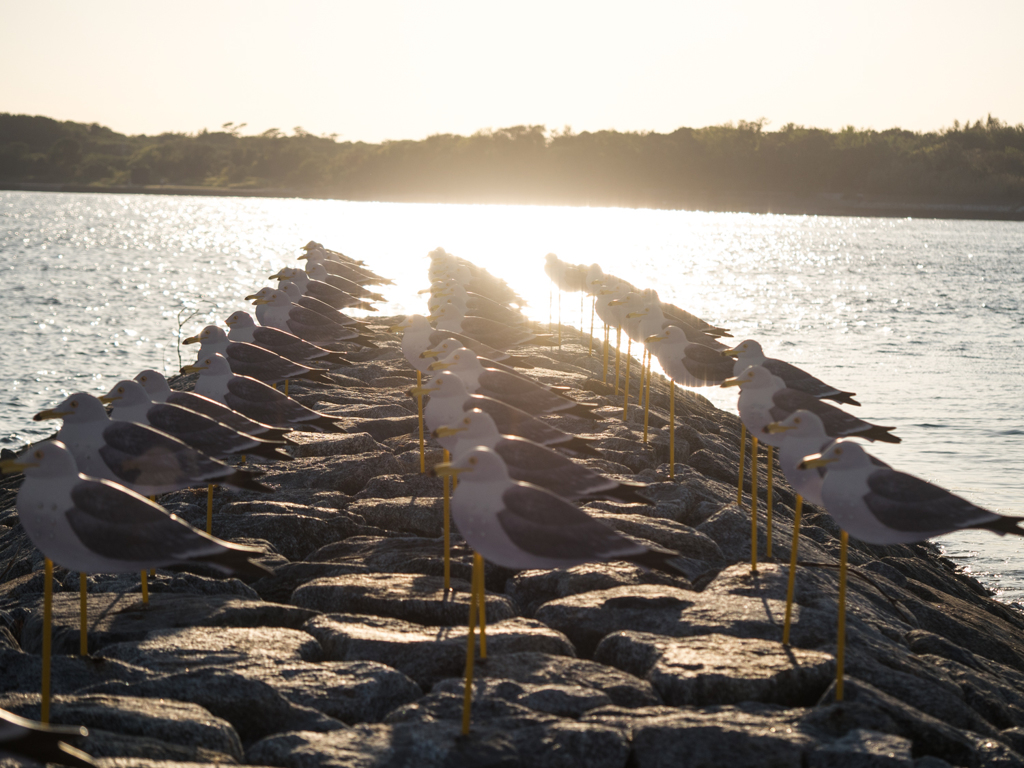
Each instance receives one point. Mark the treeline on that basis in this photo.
(979, 163)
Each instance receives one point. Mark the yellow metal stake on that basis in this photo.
(618, 354)
(672, 429)
(145, 588)
(83, 606)
(419, 410)
(481, 592)
(44, 704)
(647, 397)
(593, 306)
(467, 696)
(607, 331)
(792, 569)
(743, 461)
(447, 529)
(768, 506)
(753, 504)
(844, 540)
(625, 399)
(209, 509)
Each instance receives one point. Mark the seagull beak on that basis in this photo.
(397, 328)
(448, 431)
(257, 302)
(425, 290)
(108, 399)
(636, 314)
(191, 340)
(229, 323)
(447, 470)
(433, 317)
(421, 391)
(193, 368)
(250, 297)
(734, 352)
(10, 466)
(430, 353)
(735, 381)
(304, 256)
(776, 428)
(814, 461)
(655, 337)
(440, 365)
(615, 302)
(278, 276)
(50, 413)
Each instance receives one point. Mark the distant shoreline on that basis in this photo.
(820, 205)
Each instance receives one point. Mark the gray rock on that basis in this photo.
(424, 653)
(426, 745)
(418, 516)
(335, 445)
(405, 485)
(254, 708)
(568, 745)
(177, 722)
(279, 586)
(863, 749)
(587, 618)
(293, 535)
(382, 429)
(115, 618)
(21, 672)
(419, 599)
(559, 700)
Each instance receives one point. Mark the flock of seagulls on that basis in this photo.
(511, 485)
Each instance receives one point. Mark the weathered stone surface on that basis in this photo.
(254, 708)
(428, 745)
(292, 535)
(21, 672)
(115, 618)
(863, 749)
(559, 700)
(588, 617)
(406, 485)
(416, 515)
(419, 599)
(180, 723)
(336, 445)
(278, 587)
(382, 429)
(424, 653)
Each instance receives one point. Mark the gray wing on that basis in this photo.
(216, 411)
(514, 421)
(706, 364)
(907, 503)
(837, 422)
(798, 378)
(262, 364)
(546, 525)
(199, 431)
(140, 455)
(522, 393)
(120, 525)
(529, 462)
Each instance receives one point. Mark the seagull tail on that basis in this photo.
(845, 398)
(1004, 525)
(335, 358)
(656, 559)
(583, 411)
(268, 451)
(236, 561)
(881, 434)
(517, 361)
(363, 341)
(315, 375)
(243, 481)
(325, 424)
(625, 492)
(579, 445)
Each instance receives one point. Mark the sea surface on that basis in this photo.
(923, 319)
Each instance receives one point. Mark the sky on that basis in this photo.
(372, 71)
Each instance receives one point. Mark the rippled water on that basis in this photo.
(923, 319)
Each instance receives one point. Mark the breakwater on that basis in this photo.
(351, 653)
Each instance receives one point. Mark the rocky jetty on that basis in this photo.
(351, 654)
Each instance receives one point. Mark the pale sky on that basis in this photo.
(383, 69)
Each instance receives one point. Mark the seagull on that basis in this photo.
(139, 457)
(253, 398)
(159, 391)
(764, 398)
(94, 526)
(351, 271)
(132, 403)
(41, 742)
(510, 388)
(689, 364)
(749, 353)
(471, 305)
(522, 526)
(802, 434)
(251, 360)
(449, 398)
(530, 462)
(338, 296)
(276, 310)
(450, 319)
(320, 307)
(880, 505)
(418, 336)
(568, 277)
(243, 328)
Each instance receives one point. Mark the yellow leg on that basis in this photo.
(559, 319)
(618, 355)
(753, 504)
(672, 429)
(590, 351)
(792, 569)
(447, 530)
(83, 608)
(274, 386)
(44, 706)
(625, 399)
(743, 461)
(286, 386)
(467, 696)
(145, 588)
(647, 397)
(419, 410)
(841, 640)
(481, 596)
(768, 507)
(209, 509)
(607, 331)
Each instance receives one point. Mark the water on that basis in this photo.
(923, 319)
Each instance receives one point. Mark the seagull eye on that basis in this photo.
(796, 421)
(473, 460)
(39, 454)
(74, 403)
(120, 390)
(839, 451)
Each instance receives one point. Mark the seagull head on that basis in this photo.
(79, 408)
(240, 319)
(748, 351)
(799, 424)
(212, 365)
(461, 359)
(480, 465)
(443, 349)
(285, 273)
(47, 459)
(154, 383)
(128, 394)
(262, 296)
(753, 376)
(840, 455)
